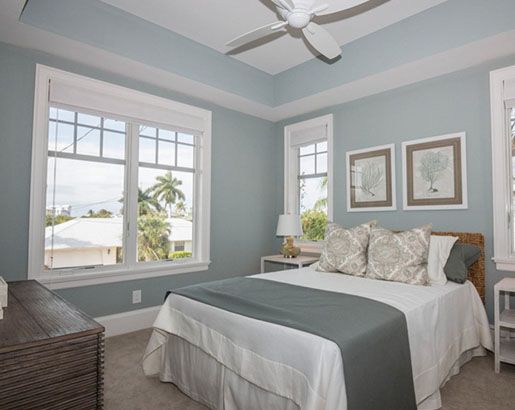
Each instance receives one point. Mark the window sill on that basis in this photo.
(311, 247)
(78, 279)
(506, 264)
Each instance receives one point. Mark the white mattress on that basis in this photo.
(446, 323)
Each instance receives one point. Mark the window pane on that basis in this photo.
(321, 163)
(184, 156)
(62, 115)
(186, 138)
(88, 141)
(147, 150)
(114, 125)
(307, 165)
(313, 207)
(166, 153)
(322, 146)
(64, 133)
(166, 135)
(147, 131)
(84, 225)
(86, 119)
(308, 149)
(114, 145)
(165, 220)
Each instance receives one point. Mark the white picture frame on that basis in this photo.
(451, 170)
(388, 202)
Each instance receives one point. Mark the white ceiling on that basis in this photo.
(214, 23)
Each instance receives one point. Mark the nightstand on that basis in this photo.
(288, 263)
(505, 348)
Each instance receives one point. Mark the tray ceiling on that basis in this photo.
(214, 23)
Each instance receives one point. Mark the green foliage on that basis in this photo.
(180, 254)
(59, 219)
(153, 237)
(314, 223)
(166, 189)
(103, 213)
(147, 204)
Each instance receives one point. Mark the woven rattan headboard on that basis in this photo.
(477, 270)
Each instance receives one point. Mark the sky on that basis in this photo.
(98, 185)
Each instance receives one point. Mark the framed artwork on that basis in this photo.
(371, 179)
(435, 173)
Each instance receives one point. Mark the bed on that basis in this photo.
(230, 361)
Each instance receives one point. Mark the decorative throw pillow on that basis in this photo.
(400, 257)
(345, 250)
(439, 251)
(461, 258)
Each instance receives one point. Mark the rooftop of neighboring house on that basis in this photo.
(104, 232)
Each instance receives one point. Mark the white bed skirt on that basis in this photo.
(207, 381)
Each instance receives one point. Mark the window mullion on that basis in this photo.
(131, 197)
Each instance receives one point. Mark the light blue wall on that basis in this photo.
(109, 28)
(451, 24)
(452, 103)
(243, 213)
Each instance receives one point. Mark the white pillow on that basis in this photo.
(439, 250)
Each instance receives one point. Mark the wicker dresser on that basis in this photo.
(51, 354)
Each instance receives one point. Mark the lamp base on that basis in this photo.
(289, 250)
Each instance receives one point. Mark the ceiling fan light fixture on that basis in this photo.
(299, 19)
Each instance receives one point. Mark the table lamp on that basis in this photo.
(289, 225)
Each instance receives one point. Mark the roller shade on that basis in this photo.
(509, 93)
(124, 106)
(309, 135)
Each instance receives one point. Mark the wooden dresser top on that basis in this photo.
(35, 315)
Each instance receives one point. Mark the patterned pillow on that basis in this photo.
(345, 250)
(399, 257)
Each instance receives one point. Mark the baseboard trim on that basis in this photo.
(126, 322)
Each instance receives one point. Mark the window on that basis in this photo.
(502, 89)
(308, 176)
(85, 184)
(120, 183)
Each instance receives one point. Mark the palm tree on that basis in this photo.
(180, 208)
(153, 237)
(147, 204)
(166, 190)
(322, 202)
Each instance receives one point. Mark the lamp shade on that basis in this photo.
(289, 225)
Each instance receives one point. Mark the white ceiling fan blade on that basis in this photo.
(336, 7)
(284, 4)
(322, 41)
(256, 34)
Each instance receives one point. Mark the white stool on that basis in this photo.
(504, 349)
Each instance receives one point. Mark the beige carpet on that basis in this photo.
(477, 387)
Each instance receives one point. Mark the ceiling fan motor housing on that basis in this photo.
(298, 18)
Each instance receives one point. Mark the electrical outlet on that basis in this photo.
(136, 296)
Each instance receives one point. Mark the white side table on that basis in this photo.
(504, 349)
(299, 262)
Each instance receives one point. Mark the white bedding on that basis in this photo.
(447, 325)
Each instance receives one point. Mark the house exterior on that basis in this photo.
(98, 241)
(59, 210)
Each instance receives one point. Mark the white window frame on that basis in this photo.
(127, 270)
(291, 171)
(504, 256)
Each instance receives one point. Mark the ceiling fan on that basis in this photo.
(299, 14)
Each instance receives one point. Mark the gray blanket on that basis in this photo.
(371, 335)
